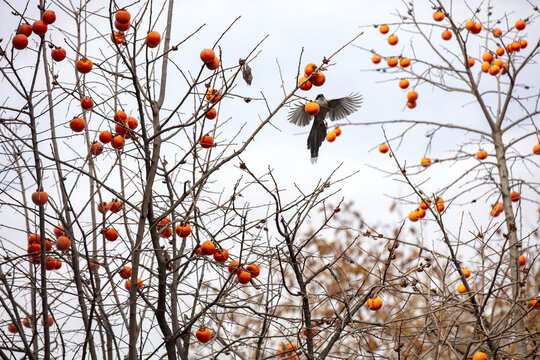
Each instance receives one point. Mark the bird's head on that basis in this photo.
(320, 96)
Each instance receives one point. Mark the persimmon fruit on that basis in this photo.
(48, 17)
(312, 108)
(203, 335)
(84, 66)
(20, 41)
(40, 198)
(63, 243)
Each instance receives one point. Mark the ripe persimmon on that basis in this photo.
(58, 231)
(125, 272)
(306, 86)
(393, 39)
(183, 230)
(337, 131)
(310, 69)
(253, 269)
(392, 61)
(96, 148)
(376, 59)
(213, 65)
(411, 104)
(479, 356)
(331, 136)
(481, 154)
(122, 16)
(440, 204)
(412, 95)
(20, 41)
(536, 149)
(421, 213)
(120, 116)
(499, 51)
(466, 272)
(497, 62)
(33, 239)
(39, 27)
(117, 37)
(40, 198)
(207, 141)
(24, 29)
(487, 56)
(128, 283)
(84, 66)
(469, 25)
(522, 260)
(58, 54)
(211, 114)
(424, 204)
(63, 243)
(312, 108)
(414, 216)
(207, 55)
(213, 95)
(404, 83)
(27, 322)
(425, 162)
(208, 248)
(221, 255)
(153, 39)
(105, 137)
(374, 304)
(33, 248)
(118, 142)
(244, 277)
(523, 43)
(477, 28)
(234, 266)
(132, 123)
(48, 17)
(318, 79)
(485, 66)
(461, 289)
(87, 103)
(203, 335)
(497, 32)
(514, 196)
(122, 27)
(383, 29)
(446, 35)
(404, 62)
(438, 16)
(103, 207)
(383, 148)
(111, 234)
(494, 69)
(51, 321)
(520, 24)
(12, 328)
(77, 124)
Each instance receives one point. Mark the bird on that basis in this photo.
(335, 109)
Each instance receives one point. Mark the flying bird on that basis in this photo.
(335, 109)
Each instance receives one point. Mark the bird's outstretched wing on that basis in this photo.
(299, 116)
(342, 107)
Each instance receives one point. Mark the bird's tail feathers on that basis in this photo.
(316, 137)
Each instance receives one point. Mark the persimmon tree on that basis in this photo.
(135, 229)
(142, 261)
(477, 54)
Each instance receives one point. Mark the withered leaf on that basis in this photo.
(246, 74)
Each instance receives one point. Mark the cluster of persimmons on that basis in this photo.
(314, 76)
